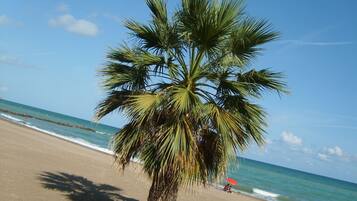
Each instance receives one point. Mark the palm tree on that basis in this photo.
(185, 86)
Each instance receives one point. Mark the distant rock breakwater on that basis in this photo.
(47, 120)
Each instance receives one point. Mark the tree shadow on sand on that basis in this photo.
(77, 188)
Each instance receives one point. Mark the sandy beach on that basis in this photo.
(35, 166)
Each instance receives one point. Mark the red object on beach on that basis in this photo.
(231, 181)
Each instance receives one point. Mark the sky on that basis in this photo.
(50, 53)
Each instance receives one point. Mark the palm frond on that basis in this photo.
(117, 75)
(259, 80)
(212, 150)
(127, 143)
(159, 35)
(115, 100)
(245, 40)
(142, 107)
(136, 56)
(252, 116)
(129, 68)
(122, 76)
(183, 99)
(205, 24)
(158, 10)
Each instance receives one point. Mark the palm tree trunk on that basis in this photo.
(171, 193)
(156, 190)
(164, 188)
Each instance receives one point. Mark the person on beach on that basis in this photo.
(227, 188)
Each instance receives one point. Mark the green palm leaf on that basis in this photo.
(246, 38)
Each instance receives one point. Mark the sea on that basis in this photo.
(258, 179)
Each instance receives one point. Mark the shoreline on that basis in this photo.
(107, 153)
(61, 137)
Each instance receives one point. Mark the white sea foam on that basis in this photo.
(78, 141)
(102, 133)
(265, 194)
(220, 187)
(11, 118)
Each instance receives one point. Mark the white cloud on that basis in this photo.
(335, 151)
(64, 8)
(330, 152)
(78, 26)
(14, 61)
(322, 157)
(10, 60)
(4, 20)
(290, 138)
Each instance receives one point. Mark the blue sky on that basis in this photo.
(50, 52)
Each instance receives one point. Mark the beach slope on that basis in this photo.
(35, 166)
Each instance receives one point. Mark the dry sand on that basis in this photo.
(35, 166)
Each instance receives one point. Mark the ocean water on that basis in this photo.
(263, 180)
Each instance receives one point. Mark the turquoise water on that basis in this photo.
(290, 185)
